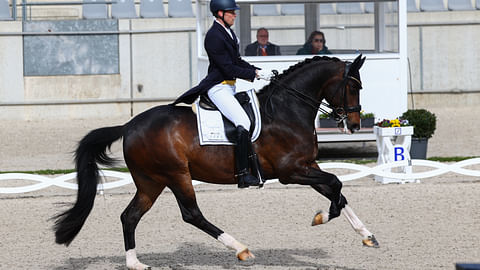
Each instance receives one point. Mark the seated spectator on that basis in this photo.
(262, 46)
(314, 45)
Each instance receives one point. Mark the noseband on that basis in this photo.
(338, 113)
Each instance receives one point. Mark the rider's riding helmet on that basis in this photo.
(216, 5)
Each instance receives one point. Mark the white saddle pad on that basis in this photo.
(210, 123)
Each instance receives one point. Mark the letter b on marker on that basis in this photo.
(398, 152)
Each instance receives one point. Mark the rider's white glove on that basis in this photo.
(264, 74)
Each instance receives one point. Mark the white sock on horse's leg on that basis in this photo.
(357, 225)
(133, 262)
(231, 243)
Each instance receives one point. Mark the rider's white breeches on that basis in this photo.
(222, 96)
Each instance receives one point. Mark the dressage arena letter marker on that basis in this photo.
(393, 144)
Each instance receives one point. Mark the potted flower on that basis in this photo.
(326, 121)
(393, 127)
(385, 123)
(367, 119)
(424, 123)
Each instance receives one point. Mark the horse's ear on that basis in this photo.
(358, 59)
(361, 62)
(357, 63)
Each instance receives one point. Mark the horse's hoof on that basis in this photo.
(318, 218)
(371, 242)
(139, 266)
(245, 255)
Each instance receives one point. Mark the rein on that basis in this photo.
(338, 113)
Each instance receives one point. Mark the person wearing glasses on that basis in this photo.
(225, 66)
(314, 45)
(262, 47)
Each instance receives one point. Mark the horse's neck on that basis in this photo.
(289, 107)
(296, 108)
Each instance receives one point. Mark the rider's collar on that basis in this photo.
(226, 29)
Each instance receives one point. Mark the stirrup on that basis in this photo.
(246, 179)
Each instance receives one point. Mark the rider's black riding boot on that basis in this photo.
(242, 149)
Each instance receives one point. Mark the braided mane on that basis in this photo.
(295, 67)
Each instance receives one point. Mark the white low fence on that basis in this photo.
(383, 170)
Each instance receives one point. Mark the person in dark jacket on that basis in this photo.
(262, 47)
(225, 66)
(314, 45)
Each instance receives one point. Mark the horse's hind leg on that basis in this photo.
(185, 195)
(140, 204)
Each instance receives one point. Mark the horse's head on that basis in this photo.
(296, 94)
(343, 95)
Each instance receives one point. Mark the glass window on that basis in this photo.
(349, 27)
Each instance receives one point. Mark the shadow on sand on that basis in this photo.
(195, 255)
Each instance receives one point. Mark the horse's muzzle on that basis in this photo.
(354, 127)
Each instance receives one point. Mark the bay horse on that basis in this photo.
(161, 149)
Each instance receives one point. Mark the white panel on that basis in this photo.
(11, 64)
(382, 94)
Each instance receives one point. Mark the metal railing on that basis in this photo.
(131, 100)
(25, 4)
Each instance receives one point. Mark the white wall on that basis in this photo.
(11, 63)
(163, 63)
(443, 58)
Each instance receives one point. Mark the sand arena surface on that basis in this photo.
(430, 225)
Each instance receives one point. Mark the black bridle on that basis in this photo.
(341, 113)
(337, 113)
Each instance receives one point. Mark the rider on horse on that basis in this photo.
(225, 67)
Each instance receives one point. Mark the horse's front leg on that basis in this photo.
(330, 186)
(325, 183)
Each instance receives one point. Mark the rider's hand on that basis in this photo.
(264, 74)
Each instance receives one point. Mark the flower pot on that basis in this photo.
(418, 149)
(393, 131)
(327, 123)
(367, 122)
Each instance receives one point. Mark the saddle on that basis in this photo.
(244, 100)
(216, 129)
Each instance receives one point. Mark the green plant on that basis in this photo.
(366, 115)
(424, 122)
(324, 116)
(362, 115)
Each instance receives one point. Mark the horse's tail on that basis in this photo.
(91, 150)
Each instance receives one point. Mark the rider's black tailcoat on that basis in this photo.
(225, 63)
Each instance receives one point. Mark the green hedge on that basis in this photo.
(424, 122)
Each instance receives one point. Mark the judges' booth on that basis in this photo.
(377, 29)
